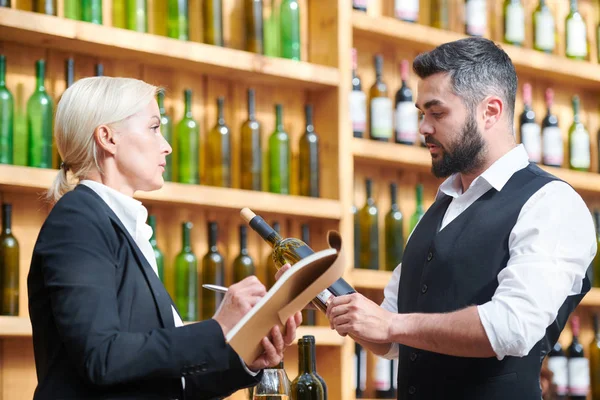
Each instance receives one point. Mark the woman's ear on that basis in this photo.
(106, 139)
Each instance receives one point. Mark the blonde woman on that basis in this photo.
(104, 327)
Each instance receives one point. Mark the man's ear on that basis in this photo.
(106, 139)
(492, 111)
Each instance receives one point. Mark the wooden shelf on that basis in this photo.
(370, 279)
(27, 179)
(15, 327)
(592, 299)
(323, 335)
(528, 61)
(103, 41)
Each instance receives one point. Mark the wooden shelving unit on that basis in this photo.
(370, 279)
(15, 327)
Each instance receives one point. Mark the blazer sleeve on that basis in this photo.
(76, 251)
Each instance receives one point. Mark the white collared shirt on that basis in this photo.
(551, 246)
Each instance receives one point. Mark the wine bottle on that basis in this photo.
(360, 5)
(475, 17)
(39, 122)
(596, 261)
(279, 156)
(213, 272)
(254, 26)
(243, 265)
(358, 101)
(289, 28)
(407, 116)
(552, 139)
(578, 365)
(394, 233)
(251, 157)
(218, 150)
(99, 69)
(178, 26)
(212, 18)
(186, 277)
(384, 376)
(419, 212)
(369, 231)
(595, 358)
(514, 22)
(47, 7)
(309, 158)
(406, 10)
(91, 11)
(166, 129)
(309, 317)
(158, 255)
(69, 79)
(72, 9)
(137, 15)
(309, 341)
(544, 28)
(356, 235)
(291, 250)
(440, 10)
(9, 265)
(579, 141)
(271, 35)
(7, 108)
(119, 19)
(530, 131)
(558, 364)
(188, 135)
(576, 34)
(381, 105)
(5, 3)
(270, 262)
(360, 370)
(306, 386)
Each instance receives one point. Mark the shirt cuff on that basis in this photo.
(246, 368)
(489, 331)
(392, 352)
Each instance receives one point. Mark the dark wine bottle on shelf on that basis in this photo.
(579, 368)
(7, 107)
(166, 129)
(308, 156)
(310, 342)
(243, 265)
(91, 11)
(306, 386)
(356, 233)
(212, 18)
(187, 153)
(47, 7)
(358, 101)
(254, 25)
(309, 317)
(596, 261)
(69, 79)
(360, 5)
(360, 370)
(407, 116)
(369, 231)
(186, 277)
(440, 14)
(158, 254)
(218, 150)
(213, 272)
(531, 136)
(595, 358)
(9, 265)
(39, 122)
(292, 250)
(380, 105)
(251, 159)
(99, 69)
(384, 376)
(394, 232)
(552, 140)
(558, 364)
(5, 3)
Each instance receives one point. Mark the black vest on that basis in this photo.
(457, 267)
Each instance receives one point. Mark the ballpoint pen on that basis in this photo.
(215, 288)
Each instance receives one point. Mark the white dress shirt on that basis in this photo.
(550, 248)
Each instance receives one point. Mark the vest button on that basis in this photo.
(429, 256)
(413, 356)
(424, 289)
(412, 390)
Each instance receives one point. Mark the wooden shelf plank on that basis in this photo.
(15, 327)
(592, 299)
(18, 178)
(97, 40)
(323, 335)
(527, 61)
(370, 279)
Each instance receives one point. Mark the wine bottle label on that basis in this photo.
(580, 148)
(360, 370)
(544, 31)
(382, 374)
(324, 296)
(407, 10)
(515, 23)
(579, 376)
(559, 368)
(576, 38)
(476, 17)
(407, 122)
(381, 117)
(553, 145)
(358, 110)
(532, 140)
(360, 3)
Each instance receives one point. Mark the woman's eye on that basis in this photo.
(155, 128)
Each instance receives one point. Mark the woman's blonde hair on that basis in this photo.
(87, 104)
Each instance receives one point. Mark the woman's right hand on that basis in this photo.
(239, 300)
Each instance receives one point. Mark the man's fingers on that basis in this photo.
(290, 332)
(270, 352)
(282, 270)
(277, 339)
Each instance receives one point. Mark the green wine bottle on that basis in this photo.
(440, 14)
(279, 156)
(218, 151)
(514, 22)
(251, 157)
(270, 263)
(306, 386)
(243, 265)
(166, 128)
(369, 231)
(39, 122)
(47, 7)
(212, 18)
(178, 26)
(356, 237)
(271, 35)
(69, 79)
(7, 108)
(9, 265)
(579, 141)
(72, 9)
(309, 317)
(158, 255)
(99, 69)
(596, 261)
(188, 134)
(544, 28)
(213, 272)
(137, 15)
(91, 11)
(310, 341)
(5, 3)
(576, 34)
(186, 277)
(394, 233)
(119, 18)
(289, 16)
(594, 356)
(309, 158)
(419, 212)
(254, 26)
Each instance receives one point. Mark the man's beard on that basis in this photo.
(465, 154)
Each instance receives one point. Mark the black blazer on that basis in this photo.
(102, 320)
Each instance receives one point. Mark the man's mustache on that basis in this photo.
(431, 140)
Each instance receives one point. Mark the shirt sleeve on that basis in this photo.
(390, 303)
(551, 246)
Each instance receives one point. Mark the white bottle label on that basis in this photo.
(381, 117)
(576, 38)
(407, 10)
(553, 146)
(358, 110)
(360, 3)
(580, 148)
(559, 368)
(514, 24)
(579, 376)
(531, 138)
(382, 374)
(476, 17)
(407, 122)
(544, 31)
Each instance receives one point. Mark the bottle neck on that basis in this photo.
(573, 6)
(279, 117)
(305, 234)
(311, 361)
(576, 117)
(185, 237)
(152, 223)
(2, 70)
(243, 239)
(188, 103)
(221, 111)
(212, 236)
(7, 218)
(369, 189)
(393, 195)
(309, 119)
(419, 197)
(40, 72)
(251, 105)
(269, 234)
(378, 68)
(99, 70)
(161, 102)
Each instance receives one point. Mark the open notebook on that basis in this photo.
(294, 290)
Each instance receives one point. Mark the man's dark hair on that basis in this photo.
(477, 68)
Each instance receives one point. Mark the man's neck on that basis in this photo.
(466, 179)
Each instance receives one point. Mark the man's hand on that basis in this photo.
(359, 317)
(274, 346)
(238, 300)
